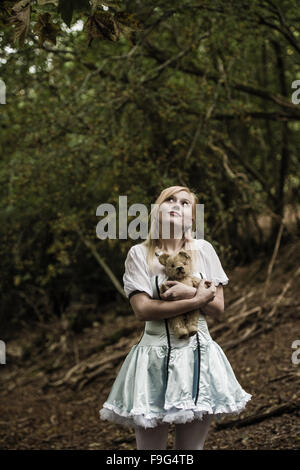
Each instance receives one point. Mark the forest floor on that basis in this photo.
(55, 381)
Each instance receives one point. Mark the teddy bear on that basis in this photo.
(178, 268)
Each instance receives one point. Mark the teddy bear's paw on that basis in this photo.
(182, 333)
(185, 336)
(192, 332)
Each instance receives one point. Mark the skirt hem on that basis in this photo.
(173, 415)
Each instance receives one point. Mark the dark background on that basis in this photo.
(128, 101)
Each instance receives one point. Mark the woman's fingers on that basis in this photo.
(213, 289)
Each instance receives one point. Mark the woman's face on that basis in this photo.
(182, 204)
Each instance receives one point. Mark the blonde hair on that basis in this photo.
(187, 238)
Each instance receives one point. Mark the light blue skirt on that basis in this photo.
(164, 379)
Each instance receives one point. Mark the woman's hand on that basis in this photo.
(206, 291)
(178, 291)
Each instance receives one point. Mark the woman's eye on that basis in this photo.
(172, 199)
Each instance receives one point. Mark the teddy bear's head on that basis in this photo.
(177, 266)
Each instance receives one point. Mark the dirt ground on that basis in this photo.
(37, 414)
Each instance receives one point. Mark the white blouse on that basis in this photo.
(137, 275)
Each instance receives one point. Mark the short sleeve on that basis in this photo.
(214, 269)
(136, 277)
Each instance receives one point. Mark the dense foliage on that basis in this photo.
(105, 99)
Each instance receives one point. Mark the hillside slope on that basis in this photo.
(54, 381)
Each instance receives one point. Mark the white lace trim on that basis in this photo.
(174, 415)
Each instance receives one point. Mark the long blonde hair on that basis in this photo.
(151, 242)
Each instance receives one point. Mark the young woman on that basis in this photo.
(164, 379)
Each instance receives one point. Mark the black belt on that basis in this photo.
(169, 345)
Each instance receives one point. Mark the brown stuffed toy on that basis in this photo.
(178, 268)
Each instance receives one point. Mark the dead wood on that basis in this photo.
(240, 300)
(276, 410)
(77, 372)
(282, 294)
(102, 263)
(226, 324)
(84, 372)
(242, 337)
(289, 375)
(271, 264)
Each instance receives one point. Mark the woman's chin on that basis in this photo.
(175, 221)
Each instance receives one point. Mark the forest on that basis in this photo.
(102, 99)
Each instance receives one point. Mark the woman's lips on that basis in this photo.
(173, 213)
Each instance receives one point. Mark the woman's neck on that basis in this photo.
(170, 246)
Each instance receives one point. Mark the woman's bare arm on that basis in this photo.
(147, 309)
(216, 306)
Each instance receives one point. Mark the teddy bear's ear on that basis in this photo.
(185, 254)
(163, 258)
